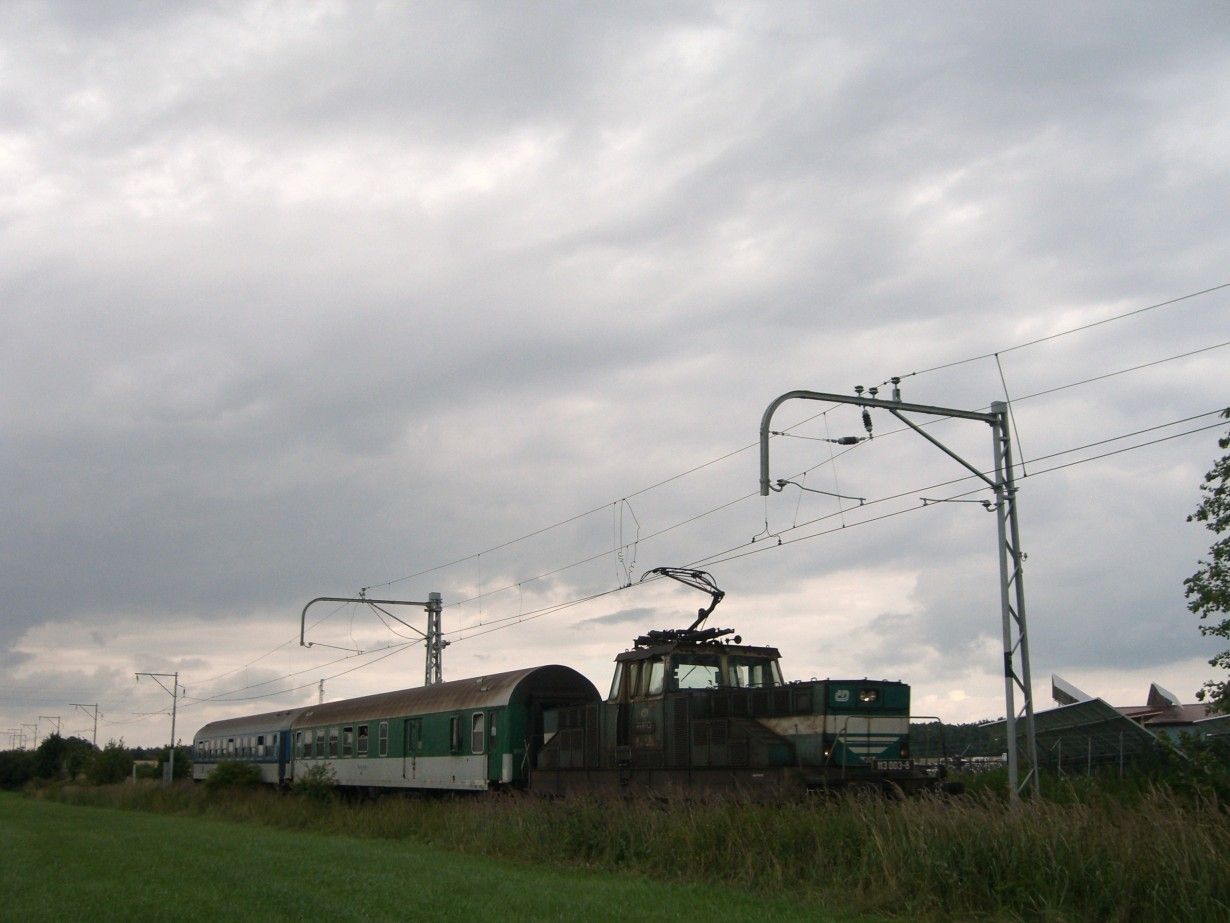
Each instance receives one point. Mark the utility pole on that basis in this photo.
(95, 708)
(433, 640)
(174, 691)
(1012, 591)
(55, 718)
(320, 693)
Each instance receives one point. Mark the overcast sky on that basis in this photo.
(297, 299)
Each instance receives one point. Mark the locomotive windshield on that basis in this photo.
(753, 671)
(696, 671)
(684, 670)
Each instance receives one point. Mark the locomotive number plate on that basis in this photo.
(893, 764)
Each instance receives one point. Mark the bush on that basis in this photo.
(232, 774)
(318, 783)
(109, 765)
(183, 761)
(17, 767)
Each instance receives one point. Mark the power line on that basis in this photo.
(765, 546)
(221, 696)
(786, 432)
(831, 460)
(388, 652)
(746, 550)
(735, 452)
(1062, 333)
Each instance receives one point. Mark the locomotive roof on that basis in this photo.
(657, 650)
(553, 682)
(251, 724)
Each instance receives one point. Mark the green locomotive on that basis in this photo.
(691, 711)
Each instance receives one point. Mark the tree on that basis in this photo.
(111, 764)
(16, 768)
(183, 761)
(62, 757)
(1208, 590)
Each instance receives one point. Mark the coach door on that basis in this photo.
(413, 743)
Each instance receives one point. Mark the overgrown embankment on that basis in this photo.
(1152, 856)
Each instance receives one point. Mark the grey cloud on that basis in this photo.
(248, 357)
(639, 616)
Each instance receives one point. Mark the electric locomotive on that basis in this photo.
(696, 710)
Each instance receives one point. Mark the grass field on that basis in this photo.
(63, 862)
(1090, 851)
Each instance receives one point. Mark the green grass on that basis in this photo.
(1087, 853)
(63, 862)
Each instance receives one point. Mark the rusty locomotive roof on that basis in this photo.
(250, 724)
(495, 690)
(657, 650)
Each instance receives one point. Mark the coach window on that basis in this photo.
(348, 741)
(454, 734)
(260, 746)
(477, 732)
(361, 741)
(320, 742)
(333, 741)
(384, 738)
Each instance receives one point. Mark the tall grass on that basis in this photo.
(1159, 856)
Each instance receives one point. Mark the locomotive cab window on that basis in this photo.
(654, 674)
(616, 683)
(753, 672)
(868, 696)
(696, 671)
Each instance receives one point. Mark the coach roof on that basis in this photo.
(250, 724)
(553, 683)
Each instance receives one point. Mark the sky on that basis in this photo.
(488, 299)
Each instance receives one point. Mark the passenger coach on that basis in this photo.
(466, 735)
(263, 740)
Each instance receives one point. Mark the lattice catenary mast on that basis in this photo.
(1012, 590)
